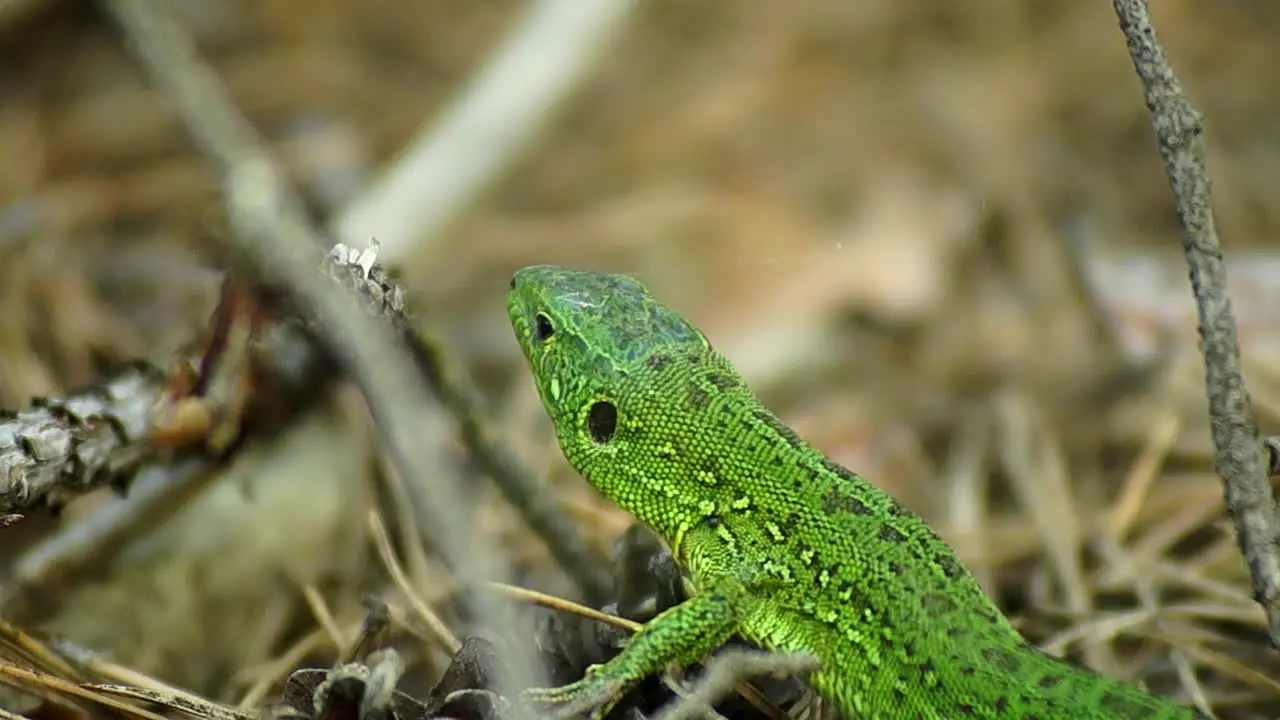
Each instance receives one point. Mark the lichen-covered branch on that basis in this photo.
(62, 447)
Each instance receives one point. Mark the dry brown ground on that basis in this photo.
(864, 204)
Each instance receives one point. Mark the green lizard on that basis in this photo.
(782, 545)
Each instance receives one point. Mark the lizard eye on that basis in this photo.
(542, 329)
(602, 421)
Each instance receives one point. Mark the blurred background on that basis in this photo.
(935, 237)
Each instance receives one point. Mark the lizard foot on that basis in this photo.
(593, 692)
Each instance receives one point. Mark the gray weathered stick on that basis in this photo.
(1238, 454)
(273, 234)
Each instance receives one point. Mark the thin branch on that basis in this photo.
(245, 378)
(451, 163)
(443, 171)
(272, 233)
(45, 685)
(1238, 455)
(226, 137)
(540, 509)
(174, 428)
(382, 542)
(384, 298)
(182, 702)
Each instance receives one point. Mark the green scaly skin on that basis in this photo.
(782, 545)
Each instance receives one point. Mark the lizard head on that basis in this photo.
(605, 356)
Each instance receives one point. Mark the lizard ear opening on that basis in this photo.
(602, 421)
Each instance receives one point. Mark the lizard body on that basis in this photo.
(782, 545)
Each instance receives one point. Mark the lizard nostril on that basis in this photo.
(512, 284)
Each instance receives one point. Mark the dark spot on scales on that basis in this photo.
(722, 382)
(938, 604)
(1126, 706)
(840, 471)
(950, 565)
(897, 509)
(889, 533)
(1000, 658)
(835, 501)
(698, 398)
(659, 361)
(779, 427)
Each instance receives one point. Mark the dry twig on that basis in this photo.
(73, 446)
(273, 234)
(384, 298)
(1238, 456)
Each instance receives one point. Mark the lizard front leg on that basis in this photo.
(680, 635)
